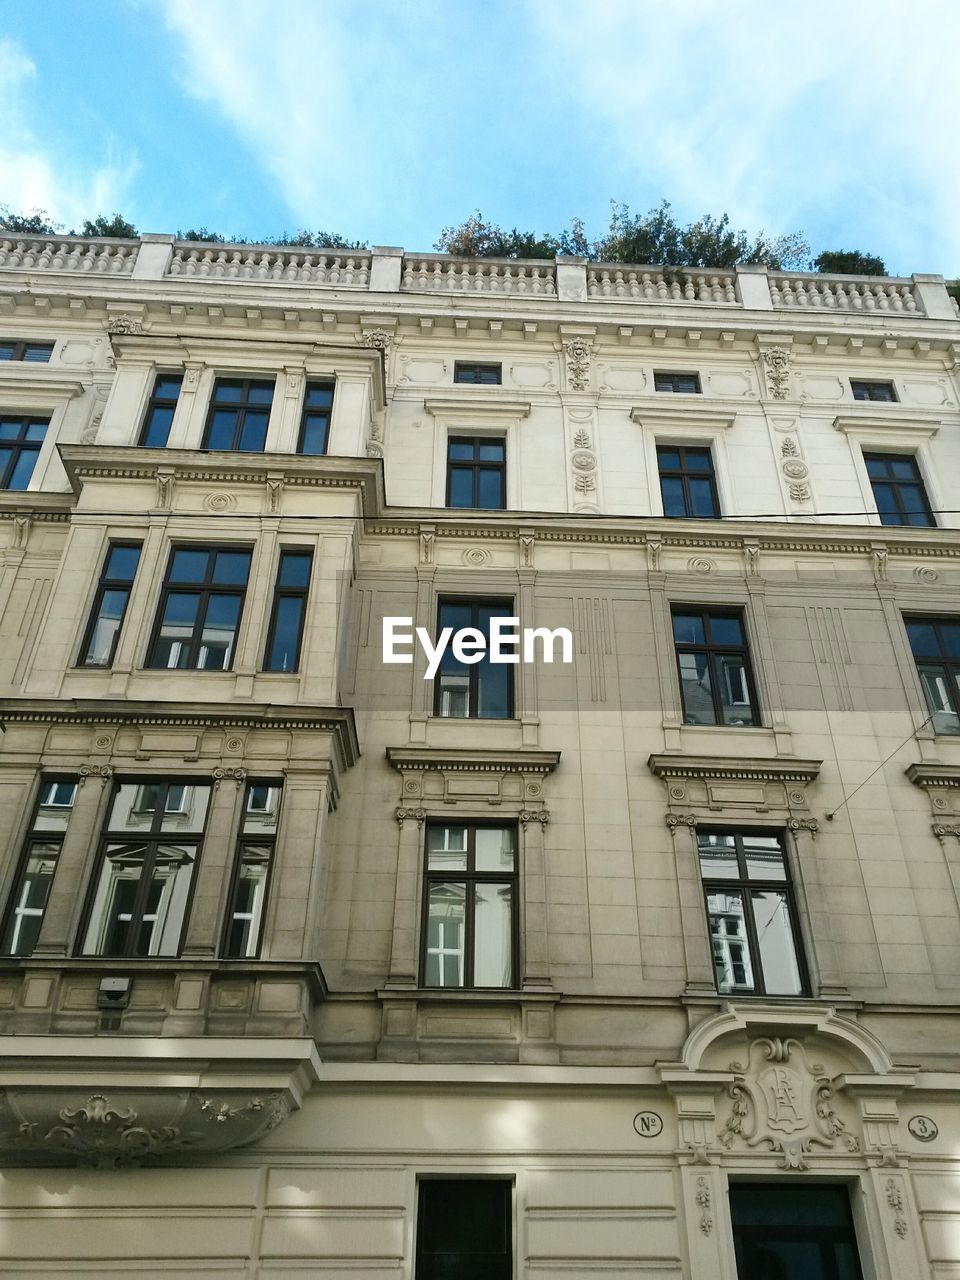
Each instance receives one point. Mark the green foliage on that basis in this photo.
(117, 227)
(658, 239)
(37, 223)
(849, 262)
(478, 239)
(202, 235)
(303, 239)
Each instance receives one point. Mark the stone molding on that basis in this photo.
(494, 760)
(473, 405)
(712, 768)
(712, 415)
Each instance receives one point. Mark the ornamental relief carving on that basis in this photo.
(783, 1101)
(578, 353)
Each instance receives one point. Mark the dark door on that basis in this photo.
(464, 1229)
(791, 1232)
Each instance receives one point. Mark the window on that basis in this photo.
(289, 607)
(248, 892)
(141, 890)
(469, 908)
(481, 690)
(32, 352)
(110, 604)
(160, 410)
(687, 482)
(315, 418)
(486, 375)
(200, 608)
(787, 1231)
(239, 412)
(476, 472)
(38, 863)
(898, 489)
(684, 383)
(936, 650)
(464, 1229)
(882, 391)
(750, 911)
(716, 683)
(20, 441)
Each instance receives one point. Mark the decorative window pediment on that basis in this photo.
(434, 778)
(711, 784)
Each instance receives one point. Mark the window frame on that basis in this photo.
(306, 411)
(871, 384)
(205, 590)
(22, 445)
(479, 367)
(280, 593)
(151, 839)
(662, 377)
(745, 887)
(706, 612)
(684, 474)
(745, 1238)
(105, 584)
(470, 877)
(873, 455)
(475, 465)
(476, 603)
(241, 408)
(30, 838)
(245, 838)
(156, 401)
(21, 346)
(950, 666)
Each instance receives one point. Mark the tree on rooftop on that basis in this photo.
(849, 262)
(37, 223)
(117, 227)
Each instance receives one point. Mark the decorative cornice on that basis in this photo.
(712, 415)
(435, 759)
(336, 720)
(475, 404)
(934, 775)
(897, 421)
(737, 769)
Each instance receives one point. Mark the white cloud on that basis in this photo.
(834, 115)
(57, 179)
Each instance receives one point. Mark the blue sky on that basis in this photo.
(386, 121)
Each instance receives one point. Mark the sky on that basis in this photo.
(386, 122)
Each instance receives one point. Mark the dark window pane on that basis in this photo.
(22, 469)
(223, 427)
(36, 431)
(688, 629)
(923, 638)
(167, 387)
(106, 627)
(157, 429)
(253, 434)
(37, 352)
(669, 459)
(228, 391)
(318, 396)
(701, 498)
(461, 487)
(494, 684)
(491, 488)
(295, 569)
(492, 452)
(188, 565)
(461, 450)
(464, 1230)
(671, 487)
(314, 436)
(261, 393)
(699, 460)
(122, 563)
(231, 568)
(724, 631)
(6, 350)
(286, 634)
(10, 428)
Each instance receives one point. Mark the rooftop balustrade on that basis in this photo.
(389, 270)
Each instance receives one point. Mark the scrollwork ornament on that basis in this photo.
(417, 815)
(804, 824)
(579, 352)
(702, 1197)
(378, 339)
(103, 771)
(777, 362)
(534, 815)
(227, 773)
(125, 325)
(677, 820)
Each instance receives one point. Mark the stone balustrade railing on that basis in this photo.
(69, 253)
(439, 272)
(842, 293)
(568, 279)
(661, 284)
(267, 263)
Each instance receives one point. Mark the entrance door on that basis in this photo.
(793, 1232)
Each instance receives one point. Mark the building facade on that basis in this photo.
(642, 963)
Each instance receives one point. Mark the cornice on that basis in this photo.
(686, 410)
(912, 422)
(128, 462)
(53, 384)
(934, 775)
(436, 759)
(731, 768)
(476, 404)
(339, 721)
